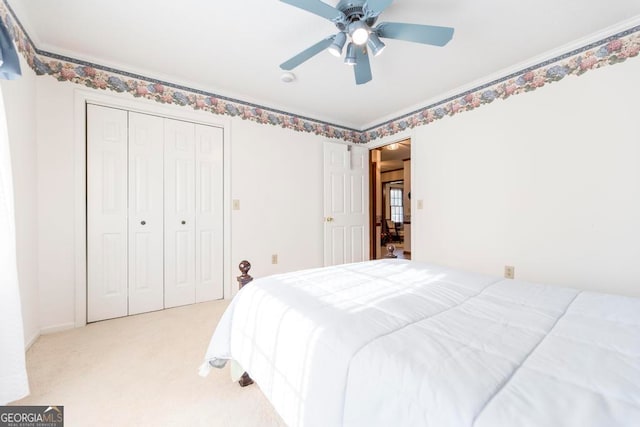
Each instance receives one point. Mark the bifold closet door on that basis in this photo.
(106, 213)
(146, 213)
(209, 220)
(154, 213)
(179, 213)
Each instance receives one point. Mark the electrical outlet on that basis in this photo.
(274, 259)
(509, 271)
(236, 205)
(420, 204)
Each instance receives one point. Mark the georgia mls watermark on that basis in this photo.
(31, 416)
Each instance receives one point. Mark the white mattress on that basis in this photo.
(401, 343)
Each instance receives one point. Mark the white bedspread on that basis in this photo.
(399, 343)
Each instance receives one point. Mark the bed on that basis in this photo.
(403, 343)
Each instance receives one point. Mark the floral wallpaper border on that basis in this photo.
(612, 50)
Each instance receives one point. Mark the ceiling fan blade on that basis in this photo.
(317, 7)
(378, 6)
(362, 69)
(306, 54)
(427, 34)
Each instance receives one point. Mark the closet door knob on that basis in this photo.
(184, 222)
(143, 222)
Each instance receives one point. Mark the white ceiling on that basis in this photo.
(234, 48)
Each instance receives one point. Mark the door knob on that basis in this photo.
(143, 222)
(184, 222)
(329, 219)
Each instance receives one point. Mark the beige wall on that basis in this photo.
(547, 181)
(56, 215)
(278, 177)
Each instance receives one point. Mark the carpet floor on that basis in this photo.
(142, 371)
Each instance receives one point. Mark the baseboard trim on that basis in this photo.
(31, 341)
(57, 328)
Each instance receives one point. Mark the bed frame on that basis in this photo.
(245, 278)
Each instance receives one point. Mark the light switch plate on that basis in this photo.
(420, 204)
(236, 205)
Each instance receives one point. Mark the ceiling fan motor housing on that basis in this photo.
(353, 11)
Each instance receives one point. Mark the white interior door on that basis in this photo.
(146, 205)
(346, 204)
(106, 213)
(179, 213)
(209, 225)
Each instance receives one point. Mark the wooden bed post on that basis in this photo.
(390, 252)
(244, 279)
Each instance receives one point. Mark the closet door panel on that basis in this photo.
(106, 213)
(146, 205)
(179, 225)
(209, 220)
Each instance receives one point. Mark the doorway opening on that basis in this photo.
(390, 199)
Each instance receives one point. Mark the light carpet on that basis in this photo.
(142, 371)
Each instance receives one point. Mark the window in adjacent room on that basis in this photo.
(395, 197)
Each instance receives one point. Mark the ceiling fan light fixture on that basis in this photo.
(359, 32)
(375, 44)
(338, 43)
(350, 58)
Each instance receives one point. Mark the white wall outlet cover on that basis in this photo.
(509, 272)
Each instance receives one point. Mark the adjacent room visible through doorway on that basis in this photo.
(390, 195)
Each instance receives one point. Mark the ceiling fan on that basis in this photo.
(355, 20)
